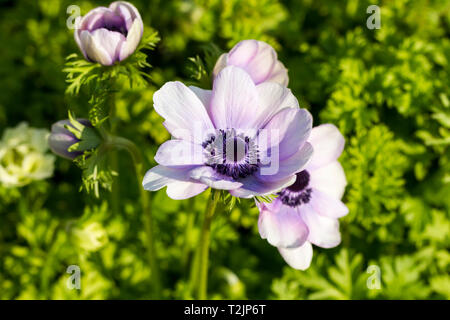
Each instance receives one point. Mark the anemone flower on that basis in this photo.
(258, 58)
(108, 35)
(246, 138)
(307, 211)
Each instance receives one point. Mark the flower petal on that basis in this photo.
(242, 53)
(60, 142)
(181, 190)
(327, 206)
(273, 98)
(283, 227)
(132, 41)
(286, 167)
(298, 258)
(323, 231)
(329, 179)
(234, 102)
(183, 111)
(285, 133)
(128, 12)
(94, 19)
(252, 186)
(328, 144)
(94, 50)
(204, 96)
(255, 57)
(160, 176)
(279, 74)
(220, 64)
(210, 177)
(60, 126)
(179, 153)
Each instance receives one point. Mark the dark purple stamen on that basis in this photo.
(298, 192)
(231, 154)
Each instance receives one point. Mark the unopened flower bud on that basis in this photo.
(70, 138)
(108, 35)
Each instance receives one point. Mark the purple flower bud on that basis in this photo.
(61, 138)
(258, 59)
(108, 35)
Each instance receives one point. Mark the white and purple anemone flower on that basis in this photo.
(108, 35)
(246, 138)
(307, 211)
(258, 58)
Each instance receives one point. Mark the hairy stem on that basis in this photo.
(202, 274)
(129, 146)
(114, 156)
(190, 205)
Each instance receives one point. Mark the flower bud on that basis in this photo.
(108, 35)
(70, 138)
(258, 59)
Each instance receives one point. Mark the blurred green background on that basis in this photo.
(387, 90)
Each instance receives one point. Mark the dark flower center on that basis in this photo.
(112, 22)
(120, 29)
(298, 192)
(231, 154)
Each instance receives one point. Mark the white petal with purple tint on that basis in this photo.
(286, 132)
(242, 53)
(323, 231)
(93, 18)
(93, 49)
(234, 102)
(220, 64)
(128, 12)
(279, 74)
(204, 96)
(328, 144)
(208, 176)
(283, 228)
(274, 97)
(110, 41)
(160, 176)
(183, 112)
(298, 258)
(329, 179)
(256, 57)
(179, 153)
(180, 190)
(132, 41)
(327, 206)
(252, 186)
(287, 167)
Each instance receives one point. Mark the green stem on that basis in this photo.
(204, 245)
(146, 207)
(190, 206)
(115, 206)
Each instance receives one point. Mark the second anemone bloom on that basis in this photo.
(109, 35)
(246, 138)
(258, 58)
(307, 211)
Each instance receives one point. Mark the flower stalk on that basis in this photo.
(202, 265)
(130, 147)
